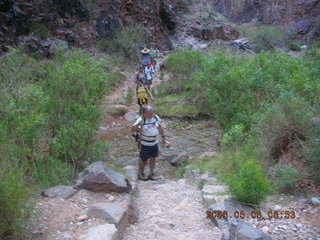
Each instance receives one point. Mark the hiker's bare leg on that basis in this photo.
(142, 165)
(152, 162)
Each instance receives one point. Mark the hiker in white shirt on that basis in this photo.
(149, 71)
(149, 127)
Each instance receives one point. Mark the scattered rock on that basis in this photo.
(168, 15)
(178, 159)
(120, 214)
(229, 205)
(97, 177)
(208, 154)
(131, 116)
(131, 173)
(64, 192)
(107, 25)
(277, 207)
(102, 232)
(117, 110)
(214, 189)
(82, 218)
(315, 201)
(111, 212)
(221, 32)
(206, 177)
(241, 230)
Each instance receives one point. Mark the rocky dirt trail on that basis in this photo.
(171, 210)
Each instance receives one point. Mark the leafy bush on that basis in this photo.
(129, 96)
(285, 124)
(249, 184)
(294, 46)
(49, 104)
(284, 177)
(126, 42)
(49, 171)
(40, 30)
(312, 153)
(235, 136)
(266, 38)
(13, 201)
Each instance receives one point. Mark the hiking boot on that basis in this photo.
(141, 176)
(152, 177)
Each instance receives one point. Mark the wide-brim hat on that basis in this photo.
(145, 51)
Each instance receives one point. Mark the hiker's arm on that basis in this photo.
(136, 126)
(161, 131)
(149, 93)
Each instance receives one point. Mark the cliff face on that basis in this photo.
(82, 22)
(268, 11)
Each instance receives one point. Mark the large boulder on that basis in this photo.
(97, 177)
(64, 192)
(241, 230)
(177, 160)
(229, 205)
(101, 232)
(107, 25)
(217, 32)
(113, 213)
(75, 8)
(168, 15)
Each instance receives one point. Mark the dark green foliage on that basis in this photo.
(248, 183)
(126, 42)
(48, 121)
(294, 46)
(285, 177)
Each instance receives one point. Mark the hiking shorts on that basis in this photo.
(142, 101)
(147, 152)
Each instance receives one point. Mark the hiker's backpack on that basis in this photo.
(142, 94)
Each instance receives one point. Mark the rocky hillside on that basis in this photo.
(82, 22)
(165, 22)
(301, 15)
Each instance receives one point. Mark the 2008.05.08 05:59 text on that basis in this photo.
(254, 214)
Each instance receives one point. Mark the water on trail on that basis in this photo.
(193, 137)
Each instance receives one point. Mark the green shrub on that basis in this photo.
(13, 201)
(294, 46)
(312, 153)
(235, 136)
(284, 124)
(284, 177)
(129, 96)
(72, 143)
(48, 104)
(248, 183)
(126, 42)
(182, 169)
(40, 30)
(266, 38)
(49, 171)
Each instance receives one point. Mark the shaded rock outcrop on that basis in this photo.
(221, 32)
(97, 177)
(268, 11)
(300, 14)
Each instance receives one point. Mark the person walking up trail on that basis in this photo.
(149, 71)
(149, 127)
(141, 76)
(143, 96)
(146, 57)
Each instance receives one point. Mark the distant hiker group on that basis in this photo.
(147, 127)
